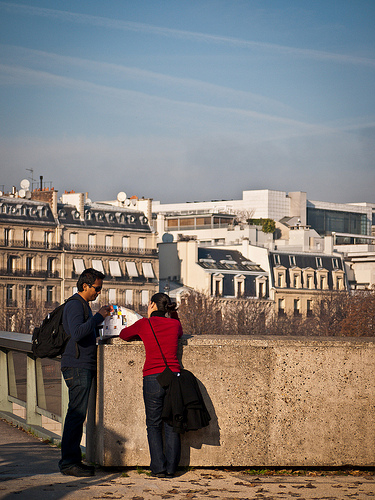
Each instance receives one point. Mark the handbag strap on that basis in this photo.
(165, 361)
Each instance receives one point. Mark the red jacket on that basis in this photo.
(167, 331)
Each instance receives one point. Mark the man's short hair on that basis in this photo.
(89, 276)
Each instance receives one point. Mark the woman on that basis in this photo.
(167, 330)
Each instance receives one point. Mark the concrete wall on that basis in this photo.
(274, 401)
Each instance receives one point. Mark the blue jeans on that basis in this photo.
(78, 381)
(163, 459)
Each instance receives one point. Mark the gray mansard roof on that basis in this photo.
(226, 260)
(96, 216)
(22, 211)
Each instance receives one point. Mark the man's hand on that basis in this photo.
(105, 311)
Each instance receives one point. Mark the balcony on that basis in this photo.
(11, 303)
(36, 245)
(109, 249)
(31, 274)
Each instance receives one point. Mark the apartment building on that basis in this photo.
(348, 221)
(45, 243)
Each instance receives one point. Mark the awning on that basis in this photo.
(114, 268)
(132, 269)
(79, 266)
(98, 265)
(148, 272)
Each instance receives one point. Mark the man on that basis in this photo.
(78, 365)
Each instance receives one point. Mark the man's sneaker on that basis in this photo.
(157, 474)
(86, 466)
(77, 471)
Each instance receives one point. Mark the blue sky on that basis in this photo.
(189, 100)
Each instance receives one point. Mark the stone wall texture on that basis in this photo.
(274, 402)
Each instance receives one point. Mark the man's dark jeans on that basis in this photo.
(78, 381)
(167, 460)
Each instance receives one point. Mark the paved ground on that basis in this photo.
(28, 471)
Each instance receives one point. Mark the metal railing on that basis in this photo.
(30, 274)
(31, 388)
(71, 247)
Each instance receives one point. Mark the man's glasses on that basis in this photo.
(96, 288)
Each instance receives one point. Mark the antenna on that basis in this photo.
(31, 170)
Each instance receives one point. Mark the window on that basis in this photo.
(141, 244)
(49, 294)
(114, 268)
(309, 308)
(98, 265)
(276, 259)
(319, 262)
(144, 297)
(7, 237)
(326, 221)
(217, 284)
(91, 241)
(50, 265)
(281, 307)
(148, 272)
(28, 294)
(335, 263)
(261, 292)
(309, 281)
(172, 223)
(11, 264)
(296, 307)
(47, 239)
(129, 297)
(29, 265)
(125, 243)
(26, 238)
(79, 266)
(112, 295)
(10, 296)
(292, 260)
(108, 242)
(239, 283)
(73, 239)
(131, 269)
(280, 279)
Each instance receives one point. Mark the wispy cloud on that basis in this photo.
(188, 35)
(30, 57)
(26, 76)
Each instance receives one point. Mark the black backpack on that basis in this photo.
(49, 339)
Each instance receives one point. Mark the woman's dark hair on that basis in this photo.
(89, 276)
(163, 303)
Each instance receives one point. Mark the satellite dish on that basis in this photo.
(25, 184)
(121, 196)
(167, 238)
(22, 193)
(28, 195)
(134, 201)
(88, 201)
(1, 193)
(127, 202)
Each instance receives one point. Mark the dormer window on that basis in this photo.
(335, 263)
(276, 258)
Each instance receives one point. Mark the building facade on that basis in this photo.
(45, 245)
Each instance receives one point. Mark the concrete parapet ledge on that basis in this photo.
(274, 402)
